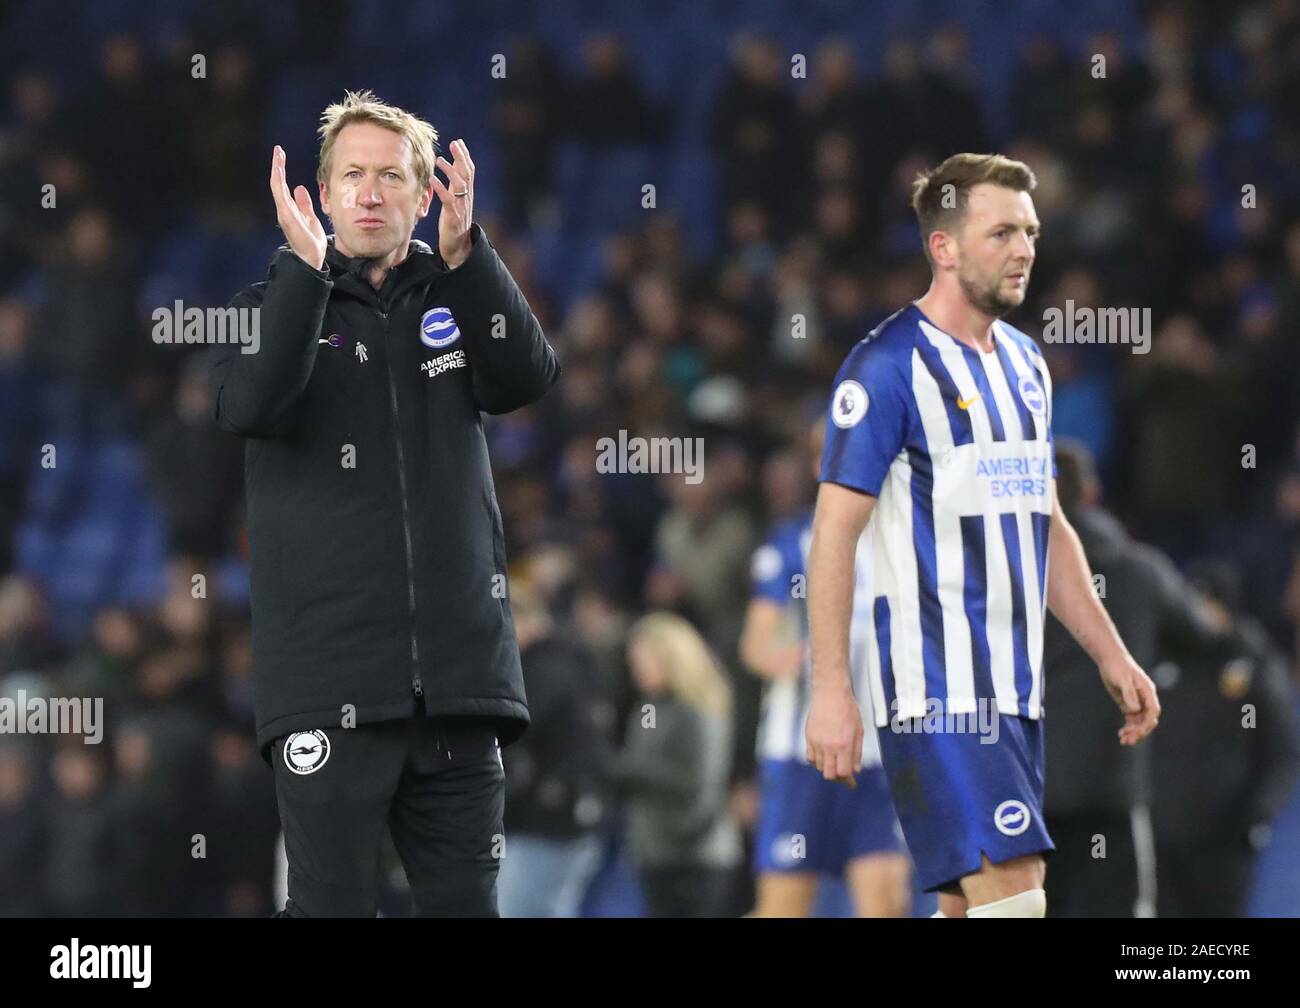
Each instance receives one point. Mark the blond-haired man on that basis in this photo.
(386, 669)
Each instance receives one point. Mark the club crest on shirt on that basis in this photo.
(1031, 394)
(766, 563)
(849, 404)
(788, 849)
(438, 329)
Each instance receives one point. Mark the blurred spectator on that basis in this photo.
(606, 104)
(20, 417)
(1187, 451)
(196, 470)
(82, 859)
(703, 545)
(139, 180)
(946, 108)
(1269, 549)
(240, 824)
(557, 802)
(673, 771)
(27, 640)
(225, 142)
(1041, 88)
(1224, 763)
(105, 664)
(1114, 90)
(22, 832)
(755, 132)
(151, 846)
(529, 114)
(85, 333)
(1095, 787)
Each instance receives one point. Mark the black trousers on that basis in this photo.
(1204, 879)
(686, 891)
(437, 784)
(1081, 885)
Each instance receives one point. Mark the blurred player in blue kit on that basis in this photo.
(809, 826)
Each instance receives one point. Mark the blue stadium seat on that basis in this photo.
(93, 534)
(178, 269)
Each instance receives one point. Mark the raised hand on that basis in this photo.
(296, 215)
(457, 201)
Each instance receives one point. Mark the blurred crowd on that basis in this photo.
(1170, 182)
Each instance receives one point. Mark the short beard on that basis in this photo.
(989, 301)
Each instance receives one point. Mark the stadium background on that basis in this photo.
(670, 320)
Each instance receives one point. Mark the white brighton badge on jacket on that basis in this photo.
(305, 752)
(438, 329)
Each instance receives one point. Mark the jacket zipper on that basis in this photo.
(417, 685)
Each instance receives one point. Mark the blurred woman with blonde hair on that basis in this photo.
(674, 770)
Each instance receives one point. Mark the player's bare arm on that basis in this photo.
(763, 645)
(834, 722)
(1071, 599)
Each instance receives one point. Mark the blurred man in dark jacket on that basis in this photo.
(1095, 791)
(1227, 763)
(23, 837)
(82, 841)
(195, 469)
(246, 825)
(556, 798)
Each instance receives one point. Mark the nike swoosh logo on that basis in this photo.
(966, 404)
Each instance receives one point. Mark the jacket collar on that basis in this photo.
(348, 272)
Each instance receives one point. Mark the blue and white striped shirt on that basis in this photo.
(779, 573)
(956, 446)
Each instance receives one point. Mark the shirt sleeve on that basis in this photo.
(1036, 360)
(867, 421)
(251, 393)
(770, 573)
(511, 362)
